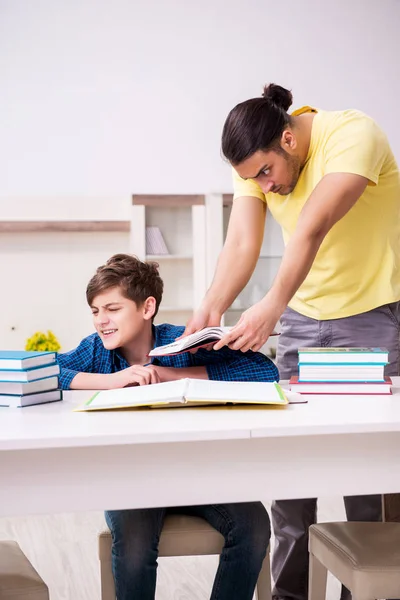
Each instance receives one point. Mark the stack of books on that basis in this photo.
(28, 378)
(342, 371)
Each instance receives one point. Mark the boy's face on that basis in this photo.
(117, 319)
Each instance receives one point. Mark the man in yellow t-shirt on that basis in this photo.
(330, 180)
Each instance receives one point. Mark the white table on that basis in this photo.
(55, 460)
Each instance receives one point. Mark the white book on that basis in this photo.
(322, 372)
(18, 388)
(31, 399)
(30, 374)
(188, 392)
(205, 336)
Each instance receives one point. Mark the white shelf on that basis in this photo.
(169, 257)
(175, 309)
(270, 256)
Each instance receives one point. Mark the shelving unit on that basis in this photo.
(161, 257)
(182, 221)
(17, 226)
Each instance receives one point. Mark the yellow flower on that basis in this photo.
(40, 342)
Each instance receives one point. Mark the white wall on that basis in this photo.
(103, 99)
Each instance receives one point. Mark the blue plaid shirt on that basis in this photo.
(224, 365)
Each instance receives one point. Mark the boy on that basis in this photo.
(124, 296)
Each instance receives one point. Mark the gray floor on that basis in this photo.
(63, 548)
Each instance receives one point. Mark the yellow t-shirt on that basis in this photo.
(357, 267)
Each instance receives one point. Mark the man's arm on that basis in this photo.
(331, 199)
(236, 262)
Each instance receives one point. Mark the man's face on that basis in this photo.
(276, 172)
(118, 320)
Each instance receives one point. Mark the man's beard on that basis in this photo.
(294, 167)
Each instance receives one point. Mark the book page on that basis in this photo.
(204, 336)
(143, 395)
(252, 392)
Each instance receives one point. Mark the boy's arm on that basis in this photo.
(233, 365)
(91, 381)
(78, 365)
(79, 370)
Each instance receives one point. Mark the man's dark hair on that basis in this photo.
(256, 124)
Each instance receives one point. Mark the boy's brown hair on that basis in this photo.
(138, 280)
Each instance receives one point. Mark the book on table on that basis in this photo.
(347, 388)
(341, 372)
(19, 360)
(343, 355)
(19, 388)
(32, 374)
(20, 401)
(204, 337)
(188, 392)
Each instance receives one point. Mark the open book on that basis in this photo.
(187, 392)
(205, 336)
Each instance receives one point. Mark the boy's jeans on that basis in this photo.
(136, 533)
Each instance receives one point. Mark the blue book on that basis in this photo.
(19, 360)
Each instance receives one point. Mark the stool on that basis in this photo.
(365, 557)
(18, 578)
(181, 535)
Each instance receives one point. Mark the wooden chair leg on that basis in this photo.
(391, 508)
(317, 579)
(106, 581)
(263, 587)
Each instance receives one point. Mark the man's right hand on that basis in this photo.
(203, 317)
(134, 375)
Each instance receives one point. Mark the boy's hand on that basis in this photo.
(134, 375)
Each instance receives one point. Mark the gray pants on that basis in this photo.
(292, 518)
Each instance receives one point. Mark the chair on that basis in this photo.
(365, 557)
(181, 536)
(18, 578)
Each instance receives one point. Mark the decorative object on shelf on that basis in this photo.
(155, 243)
(40, 342)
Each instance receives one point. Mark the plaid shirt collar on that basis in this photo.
(119, 362)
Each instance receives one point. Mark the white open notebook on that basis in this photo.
(187, 392)
(200, 338)
(205, 336)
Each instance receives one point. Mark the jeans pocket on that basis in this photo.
(393, 310)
